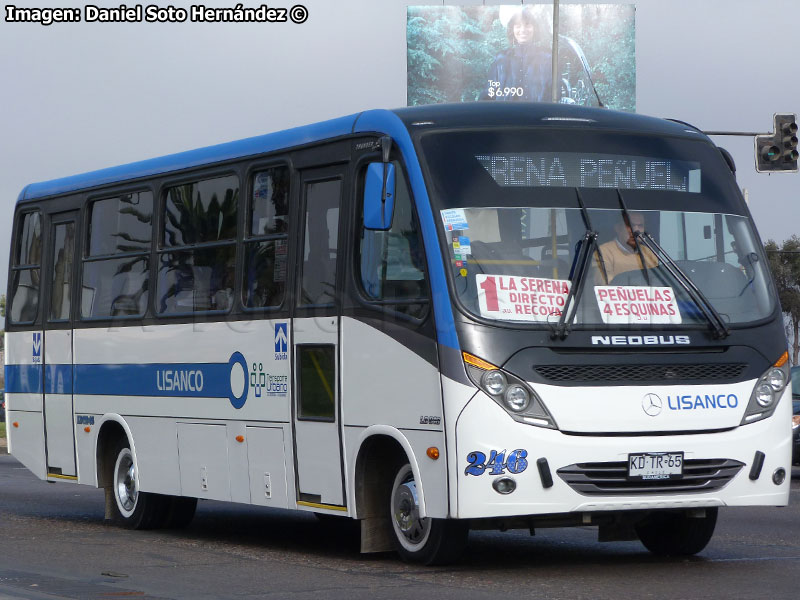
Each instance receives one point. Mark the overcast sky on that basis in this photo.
(82, 96)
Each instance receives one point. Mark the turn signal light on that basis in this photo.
(240, 438)
(473, 360)
(782, 360)
(433, 453)
(87, 429)
(15, 424)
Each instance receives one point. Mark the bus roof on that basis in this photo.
(438, 116)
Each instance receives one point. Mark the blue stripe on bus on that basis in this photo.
(389, 123)
(23, 379)
(204, 380)
(193, 380)
(58, 379)
(193, 158)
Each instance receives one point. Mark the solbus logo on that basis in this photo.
(281, 341)
(37, 348)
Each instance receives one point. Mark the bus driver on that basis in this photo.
(620, 254)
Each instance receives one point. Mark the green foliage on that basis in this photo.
(606, 35)
(451, 48)
(3, 305)
(784, 262)
(449, 53)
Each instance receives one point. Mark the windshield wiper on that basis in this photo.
(578, 275)
(721, 330)
(627, 219)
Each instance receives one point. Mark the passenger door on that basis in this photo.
(59, 423)
(315, 343)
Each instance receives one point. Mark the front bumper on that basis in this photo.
(484, 427)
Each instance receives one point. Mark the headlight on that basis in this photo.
(763, 395)
(767, 391)
(509, 391)
(517, 398)
(776, 379)
(494, 382)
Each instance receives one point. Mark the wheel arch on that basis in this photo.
(112, 428)
(379, 447)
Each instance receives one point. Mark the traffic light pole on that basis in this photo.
(776, 151)
(555, 78)
(742, 133)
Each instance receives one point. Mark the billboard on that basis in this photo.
(504, 53)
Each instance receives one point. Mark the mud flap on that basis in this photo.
(376, 535)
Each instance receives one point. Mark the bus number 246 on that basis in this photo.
(497, 463)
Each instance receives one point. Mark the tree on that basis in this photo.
(784, 261)
(3, 306)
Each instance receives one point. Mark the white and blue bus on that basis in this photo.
(431, 320)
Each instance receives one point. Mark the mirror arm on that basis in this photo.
(386, 148)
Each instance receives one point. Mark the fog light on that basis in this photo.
(779, 476)
(504, 485)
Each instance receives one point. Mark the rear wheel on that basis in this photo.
(425, 540)
(180, 511)
(677, 533)
(132, 508)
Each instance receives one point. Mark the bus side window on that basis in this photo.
(267, 242)
(392, 263)
(61, 282)
(117, 263)
(24, 301)
(197, 261)
(320, 243)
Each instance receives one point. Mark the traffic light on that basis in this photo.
(777, 153)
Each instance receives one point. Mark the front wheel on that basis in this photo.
(677, 533)
(131, 508)
(425, 540)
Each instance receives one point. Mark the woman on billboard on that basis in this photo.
(523, 71)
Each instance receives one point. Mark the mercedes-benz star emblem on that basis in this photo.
(651, 404)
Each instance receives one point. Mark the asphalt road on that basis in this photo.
(55, 544)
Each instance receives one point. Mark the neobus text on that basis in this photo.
(640, 340)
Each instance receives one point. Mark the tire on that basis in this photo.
(676, 533)
(131, 508)
(179, 512)
(428, 541)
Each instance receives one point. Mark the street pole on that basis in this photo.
(555, 52)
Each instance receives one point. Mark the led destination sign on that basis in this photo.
(589, 170)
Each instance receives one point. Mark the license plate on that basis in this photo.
(655, 465)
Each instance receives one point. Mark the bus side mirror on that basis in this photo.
(379, 189)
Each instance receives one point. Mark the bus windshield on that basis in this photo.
(517, 212)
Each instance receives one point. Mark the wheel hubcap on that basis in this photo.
(405, 512)
(127, 492)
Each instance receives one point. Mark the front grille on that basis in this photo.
(606, 478)
(621, 373)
